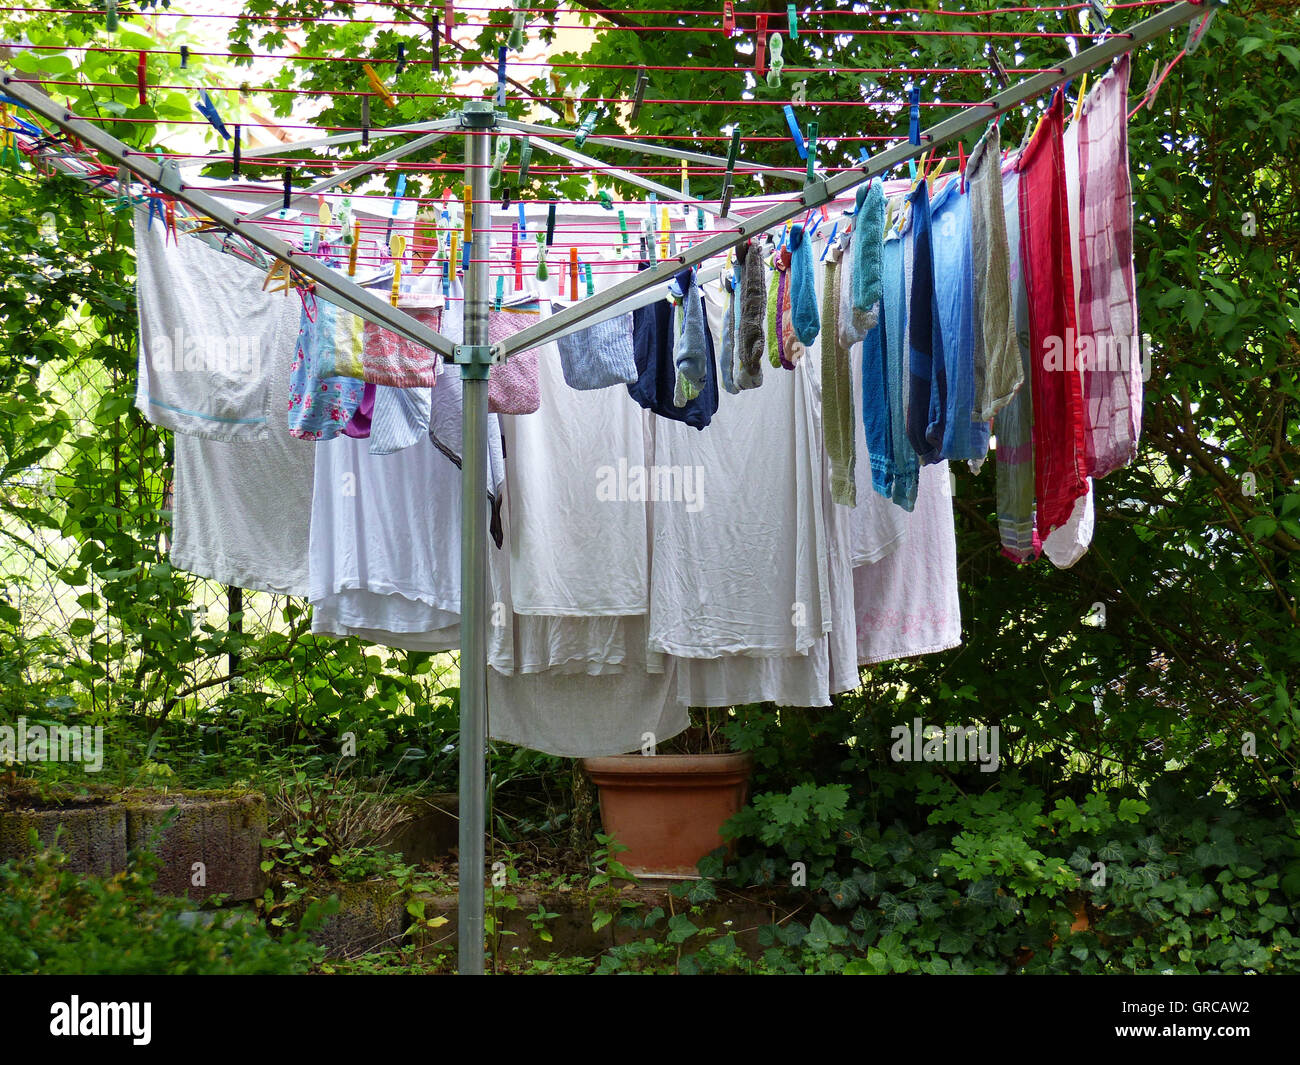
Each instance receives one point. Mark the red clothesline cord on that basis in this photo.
(715, 12)
(486, 62)
(541, 99)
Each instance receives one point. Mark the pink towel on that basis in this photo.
(512, 385)
(1059, 462)
(389, 359)
(1108, 334)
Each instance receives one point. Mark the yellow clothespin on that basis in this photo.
(279, 277)
(451, 250)
(1078, 104)
(469, 216)
(570, 112)
(352, 249)
(398, 248)
(378, 85)
(665, 224)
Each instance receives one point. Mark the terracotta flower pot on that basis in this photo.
(668, 809)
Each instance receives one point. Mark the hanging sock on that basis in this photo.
(750, 314)
(773, 324)
(868, 247)
(803, 288)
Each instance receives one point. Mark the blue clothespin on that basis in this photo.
(501, 291)
(446, 277)
(830, 240)
(795, 133)
(914, 115)
(156, 208)
(864, 157)
(208, 110)
(523, 223)
(501, 76)
(812, 152)
(550, 224)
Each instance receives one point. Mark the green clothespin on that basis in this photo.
(525, 157)
(793, 18)
(699, 218)
(776, 64)
(501, 291)
(622, 228)
(499, 160)
(542, 274)
(517, 38)
(812, 152)
(605, 200)
(591, 285)
(110, 15)
(588, 125)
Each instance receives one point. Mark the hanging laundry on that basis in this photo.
(239, 507)
(1069, 543)
(750, 316)
(897, 256)
(1013, 424)
(390, 359)
(965, 437)
(692, 345)
(207, 335)
(927, 407)
(1112, 377)
(653, 336)
(907, 603)
(996, 357)
(512, 385)
(726, 344)
(358, 426)
(599, 356)
(868, 246)
(803, 288)
(792, 348)
(837, 396)
(1059, 461)
(773, 323)
(320, 404)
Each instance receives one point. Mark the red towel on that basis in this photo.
(1059, 463)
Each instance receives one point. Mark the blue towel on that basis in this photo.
(726, 362)
(964, 437)
(868, 245)
(804, 315)
(599, 356)
(928, 390)
(894, 318)
(693, 344)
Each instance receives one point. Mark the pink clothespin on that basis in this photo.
(760, 47)
(449, 17)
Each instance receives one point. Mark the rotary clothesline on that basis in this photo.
(478, 122)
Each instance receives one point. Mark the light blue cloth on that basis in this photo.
(868, 241)
(804, 316)
(400, 419)
(875, 410)
(691, 339)
(894, 318)
(599, 356)
(319, 407)
(927, 386)
(964, 437)
(726, 361)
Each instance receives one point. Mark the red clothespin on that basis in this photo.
(760, 47)
(170, 222)
(728, 18)
(449, 17)
(140, 71)
(961, 164)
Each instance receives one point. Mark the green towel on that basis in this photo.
(773, 340)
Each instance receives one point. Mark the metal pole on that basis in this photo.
(473, 551)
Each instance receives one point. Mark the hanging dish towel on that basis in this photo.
(837, 399)
(803, 289)
(599, 356)
(320, 404)
(893, 320)
(927, 406)
(750, 317)
(512, 385)
(868, 246)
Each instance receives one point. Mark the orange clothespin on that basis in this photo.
(279, 277)
(170, 222)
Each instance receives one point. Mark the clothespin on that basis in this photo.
(995, 66)
(830, 241)
(570, 112)
(453, 248)
(777, 64)
(605, 200)
(1196, 33)
(731, 171)
(352, 248)
(728, 18)
(591, 285)
(622, 228)
(792, 18)
(642, 79)
(185, 55)
(647, 227)
(516, 255)
(499, 161)
(961, 164)
(523, 221)
(449, 16)
(573, 272)
(380, 88)
(365, 121)
(760, 46)
(469, 214)
(1078, 104)
(686, 181)
(525, 157)
(1102, 15)
(141, 69)
(541, 257)
(397, 247)
(665, 229)
(505, 198)
(288, 188)
(517, 39)
(795, 134)
(588, 125)
(1153, 84)
(234, 170)
(699, 218)
(914, 114)
(401, 61)
(550, 224)
(812, 152)
(155, 209)
(345, 221)
(110, 15)
(501, 76)
(208, 110)
(279, 277)
(501, 291)
(435, 38)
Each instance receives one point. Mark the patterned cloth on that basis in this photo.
(321, 403)
(512, 385)
(1108, 333)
